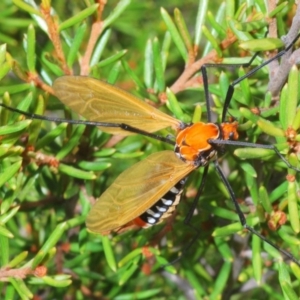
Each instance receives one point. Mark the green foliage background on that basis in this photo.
(50, 174)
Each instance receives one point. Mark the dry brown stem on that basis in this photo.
(186, 80)
(95, 34)
(54, 37)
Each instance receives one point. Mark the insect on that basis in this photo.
(133, 198)
(149, 191)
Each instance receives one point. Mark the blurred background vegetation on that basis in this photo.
(52, 173)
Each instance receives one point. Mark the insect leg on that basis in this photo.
(243, 219)
(197, 197)
(230, 88)
(90, 123)
(187, 220)
(253, 145)
(250, 73)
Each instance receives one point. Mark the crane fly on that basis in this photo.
(147, 192)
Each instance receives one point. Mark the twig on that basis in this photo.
(6, 273)
(54, 37)
(33, 77)
(96, 31)
(186, 80)
(278, 76)
(272, 33)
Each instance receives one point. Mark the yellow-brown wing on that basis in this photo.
(135, 190)
(98, 101)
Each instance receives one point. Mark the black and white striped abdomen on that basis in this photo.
(164, 207)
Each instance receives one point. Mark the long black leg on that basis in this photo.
(90, 123)
(187, 220)
(230, 90)
(243, 219)
(197, 197)
(253, 145)
(228, 98)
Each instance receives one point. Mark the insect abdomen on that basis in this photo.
(163, 208)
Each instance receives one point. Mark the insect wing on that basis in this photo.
(99, 101)
(136, 190)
